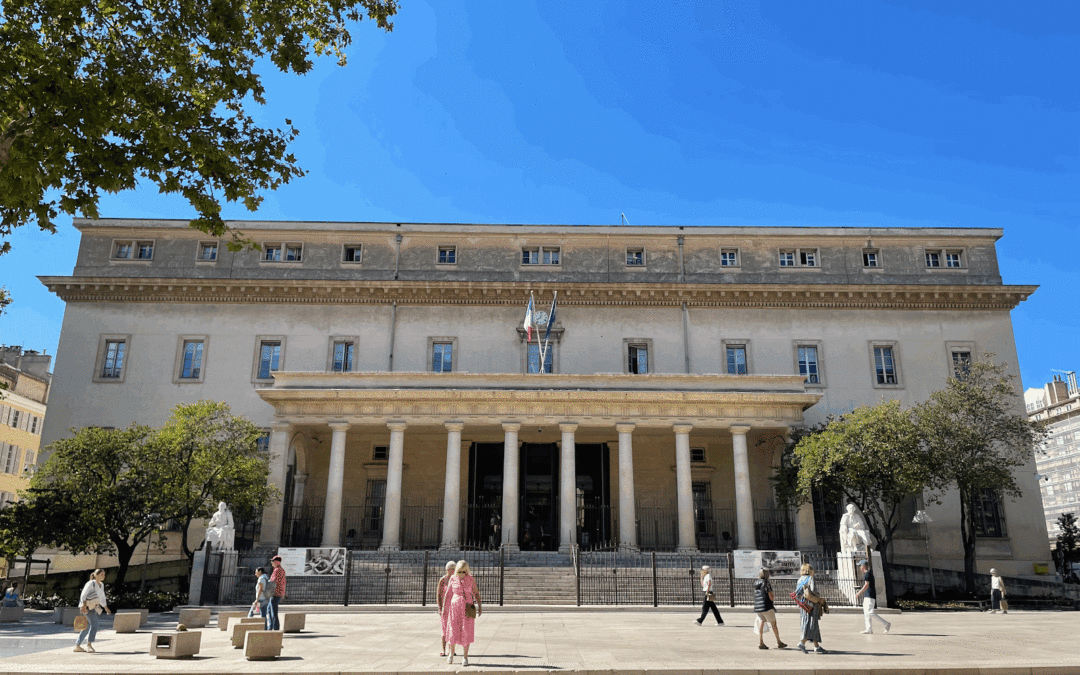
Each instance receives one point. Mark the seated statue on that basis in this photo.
(855, 536)
(220, 531)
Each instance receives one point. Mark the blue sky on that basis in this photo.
(869, 113)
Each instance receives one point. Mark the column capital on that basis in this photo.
(454, 426)
(300, 478)
(339, 425)
(739, 429)
(279, 427)
(511, 426)
(625, 427)
(682, 428)
(397, 425)
(568, 427)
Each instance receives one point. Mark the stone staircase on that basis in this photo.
(538, 586)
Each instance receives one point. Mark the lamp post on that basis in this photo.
(925, 520)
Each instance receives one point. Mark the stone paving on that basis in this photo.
(616, 641)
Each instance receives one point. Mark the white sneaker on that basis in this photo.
(867, 632)
(465, 661)
(450, 658)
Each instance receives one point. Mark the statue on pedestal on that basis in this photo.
(855, 536)
(220, 531)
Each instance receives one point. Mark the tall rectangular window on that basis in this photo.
(373, 507)
(343, 356)
(884, 365)
(269, 358)
(989, 515)
(534, 358)
(191, 364)
(442, 357)
(114, 358)
(933, 259)
(10, 457)
(736, 359)
(16, 417)
(808, 363)
(961, 363)
(638, 359)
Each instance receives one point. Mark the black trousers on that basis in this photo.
(707, 605)
(995, 599)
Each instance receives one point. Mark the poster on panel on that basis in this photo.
(307, 562)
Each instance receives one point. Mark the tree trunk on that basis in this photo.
(967, 533)
(124, 551)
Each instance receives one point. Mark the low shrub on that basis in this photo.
(153, 601)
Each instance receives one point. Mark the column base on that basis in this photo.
(512, 548)
(449, 546)
(564, 549)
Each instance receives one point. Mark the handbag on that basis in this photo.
(710, 596)
(470, 611)
(1004, 605)
(81, 623)
(802, 602)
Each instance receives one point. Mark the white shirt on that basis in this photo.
(706, 583)
(995, 583)
(89, 591)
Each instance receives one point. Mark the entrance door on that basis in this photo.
(483, 513)
(539, 496)
(594, 519)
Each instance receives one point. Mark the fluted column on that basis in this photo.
(335, 486)
(627, 506)
(684, 488)
(392, 513)
(567, 488)
(451, 536)
(744, 501)
(511, 480)
(270, 532)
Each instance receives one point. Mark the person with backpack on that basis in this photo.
(765, 609)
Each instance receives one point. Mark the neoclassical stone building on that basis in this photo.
(403, 396)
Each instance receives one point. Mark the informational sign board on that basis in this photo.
(781, 564)
(308, 562)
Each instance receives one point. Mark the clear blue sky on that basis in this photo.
(711, 112)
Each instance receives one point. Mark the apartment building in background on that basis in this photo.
(1058, 461)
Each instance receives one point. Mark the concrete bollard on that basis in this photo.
(262, 645)
(177, 645)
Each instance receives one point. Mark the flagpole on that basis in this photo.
(547, 332)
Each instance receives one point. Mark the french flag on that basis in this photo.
(528, 325)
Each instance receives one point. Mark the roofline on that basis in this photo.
(85, 224)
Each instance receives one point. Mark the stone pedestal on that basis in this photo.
(293, 622)
(126, 622)
(223, 618)
(198, 571)
(195, 617)
(177, 645)
(849, 578)
(262, 645)
(240, 631)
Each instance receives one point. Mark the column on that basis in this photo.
(335, 486)
(806, 528)
(567, 488)
(392, 513)
(744, 501)
(451, 536)
(299, 483)
(627, 507)
(270, 533)
(684, 489)
(511, 481)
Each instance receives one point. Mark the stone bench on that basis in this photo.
(11, 614)
(126, 622)
(240, 631)
(293, 622)
(223, 618)
(196, 617)
(175, 645)
(143, 614)
(262, 645)
(65, 615)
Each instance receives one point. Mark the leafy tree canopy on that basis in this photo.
(978, 434)
(874, 457)
(98, 94)
(1068, 542)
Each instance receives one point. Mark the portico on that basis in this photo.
(646, 425)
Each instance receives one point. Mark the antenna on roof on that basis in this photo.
(624, 220)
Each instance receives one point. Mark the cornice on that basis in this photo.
(429, 293)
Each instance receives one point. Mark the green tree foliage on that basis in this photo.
(1067, 550)
(978, 434)
(874, 457)
(29, 524)
(105, 479)
(785, 476)
(214, 457)
(96, 95)
(5, 300)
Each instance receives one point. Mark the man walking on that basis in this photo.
(869, 603)
(277, 580)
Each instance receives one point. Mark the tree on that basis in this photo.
(29, 524)
(212, 456)
(977, 433)
(5, 300)
(873, 456)
(96, 95)
(105, 479)
(1068, 548)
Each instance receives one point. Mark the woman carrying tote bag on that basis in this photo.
(92, 603)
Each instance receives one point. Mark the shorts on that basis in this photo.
(768, 616)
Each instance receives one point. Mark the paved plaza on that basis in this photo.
(610, 641)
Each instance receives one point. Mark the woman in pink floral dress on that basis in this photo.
(440, 593)
(460, 592)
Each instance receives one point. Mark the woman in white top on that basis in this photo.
(997, 592)
(91, 603)
(708, 599)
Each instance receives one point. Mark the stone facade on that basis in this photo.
(680, 358)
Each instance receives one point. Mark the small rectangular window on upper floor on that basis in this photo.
(447, 255)
(133, 250)
(799, 257)
(540, 255)
(871, 257)
(380, 453)
(208, 251)
(944, 258)
(283, 252)
(352, 253)
(729, 257)
(635, 257)
(697, 455)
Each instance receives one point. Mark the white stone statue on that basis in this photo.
(220, 531)
(854, 534)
